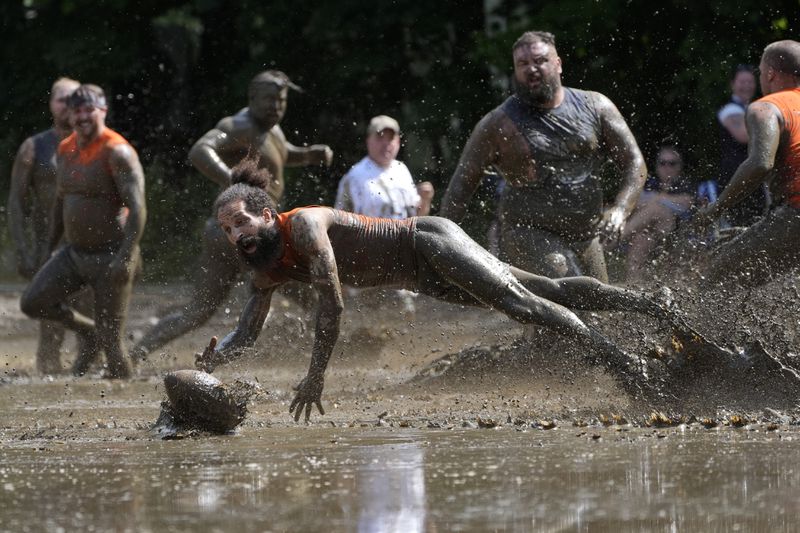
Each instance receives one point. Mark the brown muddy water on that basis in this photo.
(542, 443)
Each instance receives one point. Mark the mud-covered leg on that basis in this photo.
(590, 294)
(48, 353)
(88, 348)
(111, 308)
(88, 353)
(451, 257)
(46, 296)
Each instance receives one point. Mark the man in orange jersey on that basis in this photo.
(326, 248)
(30, 205)
(772, 245)
(100, 211)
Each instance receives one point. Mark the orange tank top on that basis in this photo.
(787, 161)
(79, 165)
(289, 259)
(94, 150)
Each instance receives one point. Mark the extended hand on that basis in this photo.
(425, 190)
(611, 224)
(309, 393)
(206, 361)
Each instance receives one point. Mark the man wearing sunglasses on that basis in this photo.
(667, 198)
(769, 246)
(548, 142)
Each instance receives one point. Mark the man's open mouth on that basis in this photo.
(247, 245)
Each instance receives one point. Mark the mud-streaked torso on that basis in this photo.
(270, 146)
(369, 252)
(93, 212)
(550, 158)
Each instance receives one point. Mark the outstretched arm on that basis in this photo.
(243, 337)
(764, 127)
(479, 152)
(129, 179)
(21, 174)
(621, 147)
(310, 236)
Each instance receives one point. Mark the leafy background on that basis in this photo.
(173, 68)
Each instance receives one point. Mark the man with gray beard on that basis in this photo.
(548, 142)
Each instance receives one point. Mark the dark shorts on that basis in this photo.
(70, 269)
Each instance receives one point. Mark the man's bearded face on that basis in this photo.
(537, 73)
(261, 250)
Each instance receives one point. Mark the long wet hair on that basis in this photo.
(248, 183)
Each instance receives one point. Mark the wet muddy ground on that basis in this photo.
(457, 420)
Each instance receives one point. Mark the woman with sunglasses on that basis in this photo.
(666, 199)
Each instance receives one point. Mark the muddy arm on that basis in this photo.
(479, 152)
(764, 127)
(243, 337)
(18, 208)
(620, 144)
(56, 228)
(311, 240)
(129, 179)
(204, 154)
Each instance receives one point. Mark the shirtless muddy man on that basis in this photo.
(431, 255)
(255, 129)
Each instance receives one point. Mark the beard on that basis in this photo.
(268, 248)
(539, 96)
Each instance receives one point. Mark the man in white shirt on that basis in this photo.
(379, 185)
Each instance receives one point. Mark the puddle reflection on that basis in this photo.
(322, 480)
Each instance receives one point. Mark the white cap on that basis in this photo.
(382, 122)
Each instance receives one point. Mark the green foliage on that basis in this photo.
(174, 68)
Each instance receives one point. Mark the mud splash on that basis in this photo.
(198, 402)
